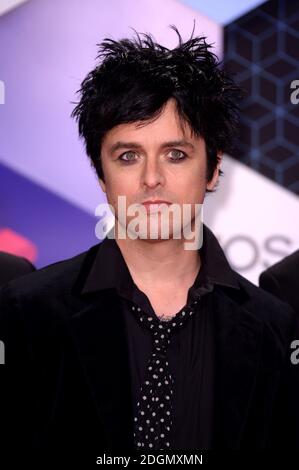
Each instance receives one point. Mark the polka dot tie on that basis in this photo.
(152, 424)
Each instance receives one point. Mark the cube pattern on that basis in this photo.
(261, 49)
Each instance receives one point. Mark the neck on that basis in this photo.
(155, 262)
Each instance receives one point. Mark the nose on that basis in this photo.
(152, 173)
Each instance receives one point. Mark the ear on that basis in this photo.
(102, 184)
(214, 180)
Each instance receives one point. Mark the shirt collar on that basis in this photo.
(109, 270)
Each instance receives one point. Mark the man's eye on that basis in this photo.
(129, 157)
(177, 155)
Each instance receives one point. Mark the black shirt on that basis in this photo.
(191, 352)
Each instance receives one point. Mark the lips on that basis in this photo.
(155, 206)
(157, 201)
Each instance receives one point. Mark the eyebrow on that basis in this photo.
(134, 145)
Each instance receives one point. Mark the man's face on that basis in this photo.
(159, 161)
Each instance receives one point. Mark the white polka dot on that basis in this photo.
(144, 397)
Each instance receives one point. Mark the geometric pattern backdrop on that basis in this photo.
(262, 49)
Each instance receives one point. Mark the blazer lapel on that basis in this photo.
(238, 341)
(99, 333)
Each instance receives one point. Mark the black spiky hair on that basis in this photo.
(136, 77)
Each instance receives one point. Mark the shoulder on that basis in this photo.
(282, 280)
(57, 275)
(12, 266)
(49, 286)
(273, 313)
(288, 266)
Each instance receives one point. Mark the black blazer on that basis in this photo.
(282, 280)
(66, 382)
(12, 266)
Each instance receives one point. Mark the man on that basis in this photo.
(141, 343)
(281, 280)
(12, 266)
